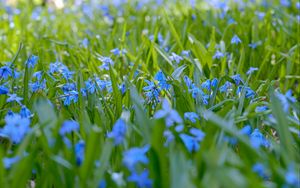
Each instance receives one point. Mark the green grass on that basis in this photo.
(57, 35)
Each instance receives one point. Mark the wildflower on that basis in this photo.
(249, 93)
(70, 96)
(237, 79)
(260, 15)
(175, 57)
(16, 127)
(224, 88)
(260, 169)
(190, 142)
(90, 86)
(285, 3)
(118, 178)
(186, 53)
(9, 161)
(67, 74)
(79, 152)
(118, 132)
(3, 90)
(162, 82)
(142, 180)
(292, 177)
(191, 116)
(25, 112)
(38, 85)
(37, 75)
(14, 97)
(252, 45)
(118, 52)
(218, 55)
(171, 116)
(31, 61)
(206, 85)
(235, 40)
(246, 130)
(107, 61)
(122, 87)
(251, 70)
(5, 72)
(135, 155)
(286, 99)
(68, 126)
(152, 91)
(214, 82)
(261, 108)
(169, 137)
(257, 139)
(69, 87)
(85, 42)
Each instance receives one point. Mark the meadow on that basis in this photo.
(150, 93)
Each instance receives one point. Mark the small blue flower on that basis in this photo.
(25, 112)
(171, 116)
(197, 133)
(15, 128)
(251, 70)
(186, 53)
(192, 116)
(285, 3)
(152, 91)
(214, 82)
(175, 57)
(67, 74)
(286, 99)
(68, 126)
(79, 152)
(70, 96)
(292, 177)
(135, 155)
(85, 42)
(235, 40)
(253, 45)
(224, 88)
(122, 87)
(69, 87)
(118, 52)
(190, 142)
(257, 139)
(118, 132)
(106, 62)
(249, 92)
(90, 86)
(8, 162)
(5, 72)
(38, 85)
(3, 90)
(162, 82)
(206, 85)
(31, 61)
(246, 130)
(169, 137)
(14, 97)
(261, 108)
(260, 169)
(142, 180)
(218, 55)
(38, 75)
(237, 79)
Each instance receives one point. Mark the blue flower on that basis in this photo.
(171, 116)
(37, 75)
(246, 130)
(206, 85)
(169, 137)
(122, 87)
(70, 96)
(14, 97)
(25, 112)
(118, 132)
(190, 142)
(292, 177)
(257, 139)
(68, 126)
(67, 74)
(31, 61)
(9, 161)
(251, 70)
(106, 62)
(224, 88)
(192, 116)
(85, 42)
(285, 3)
(175, 57)
(118, 52)
(15, 128)
(90, 86)
(218, 55)
(69, 87)
(5, 72)
(249, 92)
(261, 108)
(260, 169)
(152, 91)
(3, 90)
(214, 82)
(79, 152)
(38, 85)
(253, 45)
(186, 53)
(142, 180)
(134, 156)
(235, 40)
(286, 99)
(162, 82)
(237, 79)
